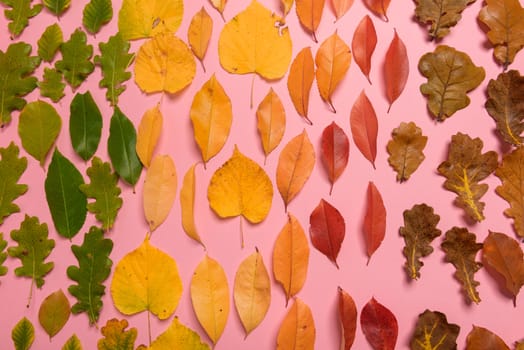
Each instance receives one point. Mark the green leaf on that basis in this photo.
(72, 343)
(121, 146)
(54, 313)
(3, 255)
(33, 248)
(38, 129)
(94, 267)
(23, 334)
(116, 337)
(52, 85)
(96, 14)
(50, 42)
(85, 125)
(57, 6)
(11, 169)
(114, 62)
(19, 13)
(68, 205)
(76, 54)
(16, 66)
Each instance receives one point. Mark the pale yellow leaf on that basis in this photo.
(179, 337)
(148, 134)
(187, 204)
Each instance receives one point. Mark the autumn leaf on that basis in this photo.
(96, 13)
(18, 13)
(334, 152)
(54, 313)
(347, 314)
(364, 127)
(327, 230)
(300, 80)
(379, 8)
(405, 149)
(341, 7)
(309, 14)
(482, 338)
(440, 15)
(287, 4)
(3, 255)
(505, 104)
(148, 134)
(464, 168)
(76, 62)
(12, 167)
(180, 337)
(297, 330)
(419, 230)
(220, 6)
(291, 257)
(433, 332)
(85, 125)
(49, 43)
(379, 325)
(271, 121)
(504, 20)
(199, 34)
(446, 96)
(295, 164)
(57, 7)
(363, 44)
(333, 59)
(374, 220)
(115, 336)
(51, 85)
(187, 204)
(461, 248)
(396, 69)
(73, 343)
(23, 334)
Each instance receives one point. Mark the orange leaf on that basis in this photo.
(299, 81)
(363, 44)
(335, 152)
(396, 69)
(482, 338)
(297, 330)
(347, 313)
(364, 127)
(327, 230)
(199, 33)
(341, 7)
(219, 5)
(187, 203)
(271, 121)
(378, 7)
(309, 13)
(375, 220)
(148, 134)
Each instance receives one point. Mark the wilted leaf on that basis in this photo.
(57, 7)
(116, 336)
(379, 325)
(364, 127)
(374, 220)
(271, 121)
(76, 62)
(12, 167)
(297, 330)
(482, 338)
(199, 34)
(347, 314)
(179, 337)
(396, 69)
(3, 255)
(85, 125)
(18, 13)
(73, 343)
(461, 248)
(341, 7)
(148, 134)
(433, 332)
(464, 168)
(335, 152)
(405, 149)
(446, 96)
(309, 14)
(96, 13)
(187, 205)
(291, 257)
(300, 80)
(54, 313)
(49, 43)
(440, 15)
(379, 7)
(419, 230)
(363, 44)
(51, 85)
(23, 334)
(210, 297)
(327, 230)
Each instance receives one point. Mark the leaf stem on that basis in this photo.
(241, 232)
(252, 88)
(30, 292)
(149, 326)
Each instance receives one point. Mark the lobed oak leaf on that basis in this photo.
(18, 13)
(334, 152)
(440, 15)
(327, 230)
(347, 313)
(309, 14)
(76, 62)
(299, 81)
(433, 332)
(271, 121)
(199, 34)
(482, 338)
(379, 325)
(115, 336)
(3, 255)
(12, 167)
(363, 44)
(297, 330)
(405, 149)
(52, 85)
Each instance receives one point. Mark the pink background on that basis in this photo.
(383, 278)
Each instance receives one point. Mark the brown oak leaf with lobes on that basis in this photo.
(433, 332)
(441, 15)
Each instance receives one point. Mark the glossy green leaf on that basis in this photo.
(97, 13)
(11, 169)
(3, 255)
(85, 125)
(94, 267)
(54, 313)
(52, 85)
(49, 43)
(57, 6)
(121, 146)
(68, 205)
(18, 13)
(23, 334)
(38, 128)
(72, 343)
(76, 62)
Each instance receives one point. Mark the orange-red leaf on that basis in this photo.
(347, 313)
(297, 330)
(335, 152)
(309, 13)
(364, 127)
(379, 325)
(482, 338)
(378, 7)
(375, 220)
(341, 7)
(327, 230)
(300, 80)
(363, 44)
(396, 69)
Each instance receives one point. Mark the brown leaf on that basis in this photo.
(379, 325)
(363, 44)
(340, 7)
(461, 248)
(347, 313)
(405, 150)
(364, 127)
(465, 167)
(505, 105)
(378, 7)
(419, 230)
(446, 96)
(506, 28)
(482, 338)
(335, 152)
(327, 230)
(271, 121)
(309, 14)
(396, 69)
(297, 330)
(433, 332)
(441, 15)
(300, 80)
(375, 220)
(519, 345)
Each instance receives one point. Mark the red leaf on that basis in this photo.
(396, 69)
(327, 230)
(364, 127)
(347, 312)
(379, 326)
(363, 44)
(335, 152)
(375, 220)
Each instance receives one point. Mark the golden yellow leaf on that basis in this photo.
(159, 190)
(299, 81)
(148, 134)
(199, 33)
(179, 337)
(309, 14)
(164, 64)
(219, 5)
(291, 257)
(333, 59)
(252, 291)
(210, 297)
(146, 18)
(187, 203)
(287, 5)
(271, 121)
(211, 114)
(295, 164)
(297, 331)
(146, 279)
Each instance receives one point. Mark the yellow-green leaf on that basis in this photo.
(54, 313)
(178, 337)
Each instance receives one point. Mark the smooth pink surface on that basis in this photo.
(383, 278)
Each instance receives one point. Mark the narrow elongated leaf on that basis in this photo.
(379, 325)
(340, 7)
(19, 13)
(115, 336)
(12, 167)
(23, 334)
(347, 314)
(271, 121)
(441, 15)
(405, 149)
(49, 43)
(299, 81)
(38, 128)
(433, 332)
(309, 14)
(3, 255)
(73, 343)
(199, 34)
(57, 7)
(363, 44)
(297, 330)
(52, 85)
(76, 62)
(335, 152)
(85, 125)
(54, 313)
(180, 337)
(482, 338)
(327, 230)
(187, 205)
(374, 220)
(148, 134)
(96, 13)
(68, 205)
(364, 127)
(396, 69)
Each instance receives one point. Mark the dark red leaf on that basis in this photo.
(375, 220)
(335, 152)
(379, 326)
(327, 230)
(347, 312)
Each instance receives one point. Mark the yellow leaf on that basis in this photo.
(199, 33)
(146, 279)
(287, 6)
(309, 13)
(164, 63)
(148, 134)
(159, 190)
(253, 42)
(271, 121)
(178, 337)
(187, 203)
(210, 297)
(146, 18)
(295, 164)
(333, 59)
(291, 257)
(219, 5)
(212, 115)
(252, 291)
(297, 331)
(300, 80)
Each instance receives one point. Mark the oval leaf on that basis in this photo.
(396, 69)
(54, 313)
(309, 14)
(148, 134)
(300, 80)
(57, 6)
(219, 5)
(72, 343)
(340, 7)
(379, 7)
(374, 220)
(187, 205)
(364, 127)
(271, 121)
(379, 325)
(178, 336)
(23, 334)
(327, 230)
(347, 314)
(433, 332)
(199, 34)
(405, 150)
(85, 125)
(49, 43)
(297, 330)
(482, 338)
(96, 13)
(335, 152)
(363, 44)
